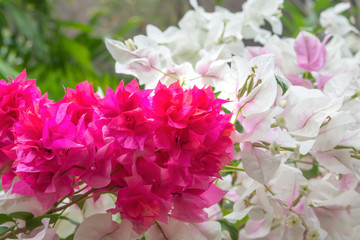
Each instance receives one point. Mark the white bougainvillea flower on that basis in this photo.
(341, 85)
(42, 233)
(100, 205)
(101, 226)
(337, 127)
(255, 13)
(10, 203)
(251, 87)
(140, 59)
(336, 207)
(265, 213)
(285, 54)
(181, 45)
(335, 23)
(258, 163)
(286, 183)
(257, 126)
(306, 110)
(216, 28)
(65, 227)
(213, 67)
(182, 230)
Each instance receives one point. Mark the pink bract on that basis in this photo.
(311, 53)
(15, 97)
(158, 150)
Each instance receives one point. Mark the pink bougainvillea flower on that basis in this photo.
(124, 110)
(101, 226)
(189, 206)
(138, 204)
(251, 52)
(44, 138)
(15, 97)
(299, 81)
(311, 53)
(158, 150)
(82, 101)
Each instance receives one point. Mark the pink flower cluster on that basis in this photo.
(159, 150)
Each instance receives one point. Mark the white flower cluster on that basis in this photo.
(296, 106)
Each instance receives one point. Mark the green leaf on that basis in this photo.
(75, 25)
(70, 237)
(80, 53)
(128, 26)
(7, 71)
(231, 228)
(26, 25)
(321, 5)
(4, 230)
(4, 218)
(79, 203)
(313, 172)
(36, 222)
(22, 215)
(242, 221)
(70, 220)
(281, 83)
(239, 127)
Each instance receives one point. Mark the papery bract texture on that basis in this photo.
(311, 53)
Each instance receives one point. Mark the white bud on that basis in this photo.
(304, 190)
(130, 44)
(280, 122)
(293, 221)
(274, 148)
(283, 103)
(313, 234)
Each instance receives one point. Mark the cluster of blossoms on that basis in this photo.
(158, 150)
(295, 104)
(293, 117)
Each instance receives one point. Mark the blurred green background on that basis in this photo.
(61, 42)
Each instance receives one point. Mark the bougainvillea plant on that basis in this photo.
(225, 141)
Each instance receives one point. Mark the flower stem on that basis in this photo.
(269, 190)
(228, 167)
(52, 210)
(161, 230)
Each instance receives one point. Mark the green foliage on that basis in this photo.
(281, 83)
(239, 127)
(32, 38)
(313, 172)
(298, 16)
(229, 227)
(4, 218)
(70, 237)
(4, 230)
(36, 222)
(22, 215)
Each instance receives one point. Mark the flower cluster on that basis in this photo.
(292, 126)
(158, 150)
(295, 104)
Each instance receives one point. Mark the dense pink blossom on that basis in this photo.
(137, 203)
(15, 97)
(185, 147)
(158, 150)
